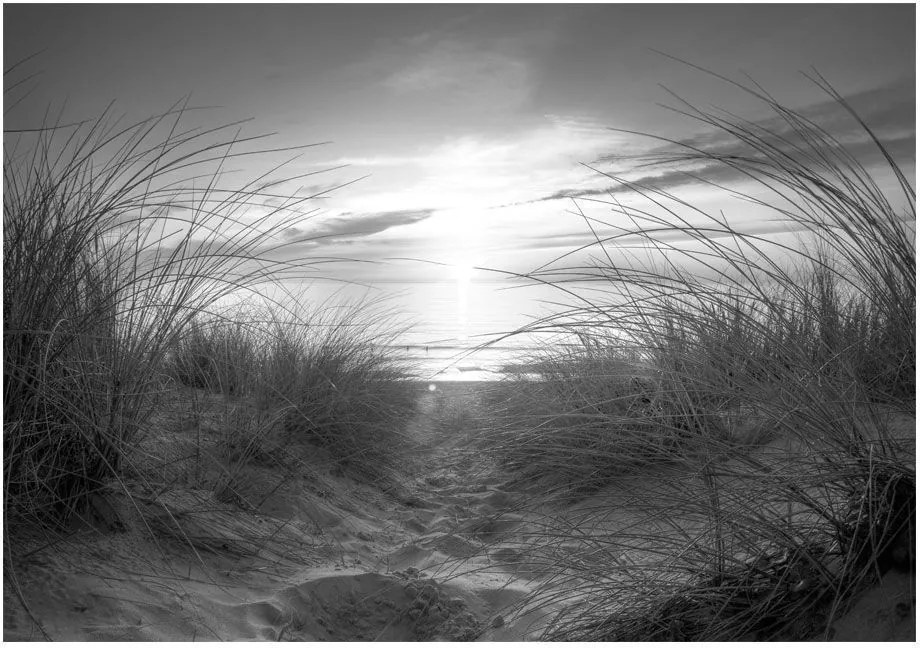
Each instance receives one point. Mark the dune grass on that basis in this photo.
(758, 389)
(341, 388)
(318, 374)
(587, 418)
(122, 246)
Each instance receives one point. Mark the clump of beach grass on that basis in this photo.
(100, 275)
(341, 386)
(584, 416)
(310, 374)
(787, 370)
(122, 245)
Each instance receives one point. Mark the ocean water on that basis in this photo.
(466, 332)
(457, 331)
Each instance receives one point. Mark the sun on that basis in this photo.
(463, 271)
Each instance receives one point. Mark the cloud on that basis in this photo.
(717, 173)
(464, 71)
(473, 172)
(299, 196)
(455, 67)
(294, 233)
(888, 110)
(713, 172)
(358, 225)
(624, 238)
(369, 161)
(891, 116)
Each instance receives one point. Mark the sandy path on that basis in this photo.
(465, 522)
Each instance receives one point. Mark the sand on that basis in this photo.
(321, 554)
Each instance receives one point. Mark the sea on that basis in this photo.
(475, 331)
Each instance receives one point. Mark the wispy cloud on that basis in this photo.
(625, 238)
(712, 172)
(889, 110)
(465, 70)
(279, 198)
(348, 226)
(891, 117)
(369, 161)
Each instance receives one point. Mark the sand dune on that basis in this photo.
(444, 555)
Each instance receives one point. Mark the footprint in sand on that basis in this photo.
(498, 499)
(439, 481)
(412, 523)
(451, 545)
(516, 562)
(490, 529)
(362, 607)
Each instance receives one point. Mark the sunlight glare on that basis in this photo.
(464, 273)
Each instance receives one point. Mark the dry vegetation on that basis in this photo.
(122, 364)
(766, 392)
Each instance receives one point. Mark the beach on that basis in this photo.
(466, 337)
(444, 552)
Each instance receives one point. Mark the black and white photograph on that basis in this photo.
(419, 322)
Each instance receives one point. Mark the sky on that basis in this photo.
(467, 127)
